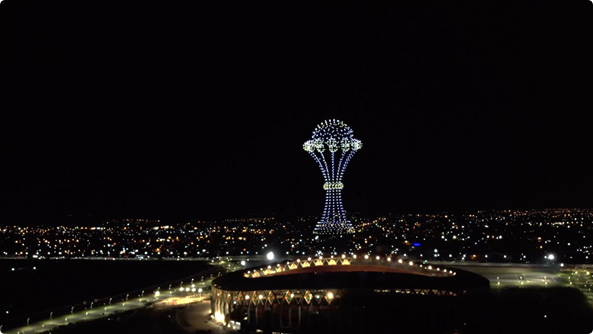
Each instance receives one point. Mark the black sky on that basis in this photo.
(155, 109)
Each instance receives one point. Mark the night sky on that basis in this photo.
(170, 110)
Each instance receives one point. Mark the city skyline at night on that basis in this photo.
(158, 173)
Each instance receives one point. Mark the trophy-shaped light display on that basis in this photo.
(332, 146)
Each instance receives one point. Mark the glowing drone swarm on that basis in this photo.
(332, 146)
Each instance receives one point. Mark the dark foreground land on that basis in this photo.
(514, 310)
(536, 310)
(36, 287)
(193, 319)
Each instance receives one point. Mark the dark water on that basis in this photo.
(36, 287)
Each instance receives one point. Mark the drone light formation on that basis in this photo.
(332, 146)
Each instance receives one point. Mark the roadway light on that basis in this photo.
(270, 256)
